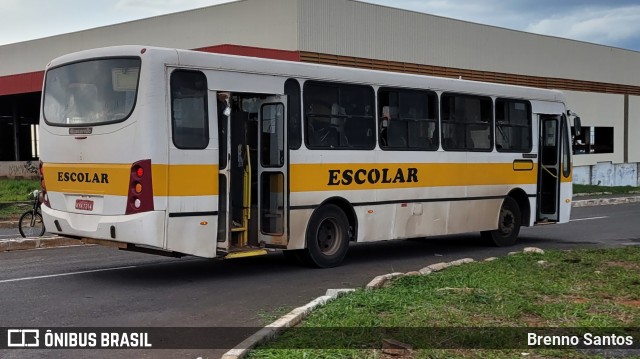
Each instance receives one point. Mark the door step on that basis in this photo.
(544, 222)
(246, 253)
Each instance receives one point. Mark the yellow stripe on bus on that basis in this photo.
(202, 180)
(356, 176)
(185, 180)
(102, 179)
(113, 179)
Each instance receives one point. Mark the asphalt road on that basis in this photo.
(10, 231)
(93, 286)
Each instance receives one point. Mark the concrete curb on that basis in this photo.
(288, 320)
(605, 201)
(19, 244)
(294, 317)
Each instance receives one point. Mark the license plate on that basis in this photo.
(84, 205)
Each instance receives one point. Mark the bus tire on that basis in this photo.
(509, 222)
(327, 237)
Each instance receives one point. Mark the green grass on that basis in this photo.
(12, 211)
(571, 289)
(267, 317)
(13, 192)
(592, 189)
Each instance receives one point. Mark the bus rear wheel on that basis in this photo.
(327, 237)
(509, 223)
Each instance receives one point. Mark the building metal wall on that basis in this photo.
(600, 110)
(349, 28)
(269, 24)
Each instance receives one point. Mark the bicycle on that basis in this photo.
(31, 224)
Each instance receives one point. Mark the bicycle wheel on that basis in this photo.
(30, 226)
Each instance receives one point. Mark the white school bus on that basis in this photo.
(180, 152)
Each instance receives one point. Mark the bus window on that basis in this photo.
(91, 93)
(222, 104)
(339, 116)
(272, 139)
(513, 126)
(294, 129)
(189, 125)
(408, 119)
(466, 122)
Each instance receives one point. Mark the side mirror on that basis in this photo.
(577, 126)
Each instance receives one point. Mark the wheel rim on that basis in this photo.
(32, 226)
(329, 237)
(507, 222)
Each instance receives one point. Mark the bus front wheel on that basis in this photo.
(508, 225)
(327, 237)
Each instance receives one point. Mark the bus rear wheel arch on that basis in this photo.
(509, 223)
(327, 237)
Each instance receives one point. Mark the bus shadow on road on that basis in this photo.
(369, 258)
(403, 255)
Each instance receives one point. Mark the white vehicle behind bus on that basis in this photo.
(179, 152)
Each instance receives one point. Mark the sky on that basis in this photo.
(607, 22)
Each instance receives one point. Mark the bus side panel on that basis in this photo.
(418, 219)
(194, 235)
(428, 211)
(192, 223)
(472, 216)
(298, 220)
(374, 222)
(566, 193)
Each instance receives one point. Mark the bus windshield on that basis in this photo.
(94, 92)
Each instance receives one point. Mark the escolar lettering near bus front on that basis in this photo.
(83, 177)
(372, 176)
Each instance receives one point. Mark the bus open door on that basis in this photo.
(253, 184)
(554, 172)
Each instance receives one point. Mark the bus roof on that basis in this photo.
(309, 71)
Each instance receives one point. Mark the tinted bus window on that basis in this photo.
(408, 119)
(466, 122)
(189, 125)
(339, 116)
(294, 129)
(513, 126)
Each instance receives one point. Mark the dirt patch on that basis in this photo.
(625, 265)
(578, 300)
(532, 320)
(630, 303)
(564, 299)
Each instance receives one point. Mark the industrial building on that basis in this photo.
(601, 83)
